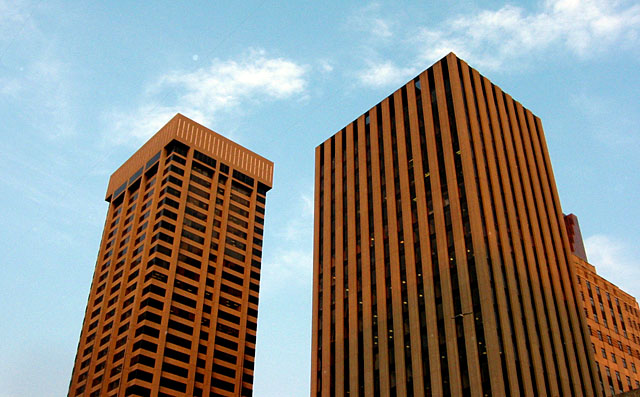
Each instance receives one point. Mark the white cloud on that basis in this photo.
(384, 74)
(208, 92)
(368, 20)
(615, 261)
(490, 39)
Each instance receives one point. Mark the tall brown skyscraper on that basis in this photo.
(173, 304)
(441, 260)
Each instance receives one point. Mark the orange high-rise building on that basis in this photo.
(613, 321)
(442, 265)
(173, 304)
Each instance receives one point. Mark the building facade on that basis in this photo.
(441, 260)
(613, 321)
(173, 304)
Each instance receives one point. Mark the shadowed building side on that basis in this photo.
(173, 304)
(441, 258)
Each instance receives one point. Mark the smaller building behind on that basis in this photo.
(613, 320)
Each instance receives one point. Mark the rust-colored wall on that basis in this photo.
(173, 303)
(441, 259)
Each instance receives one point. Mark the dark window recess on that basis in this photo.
(199, 227)
(192, 236)
(229, 303)
(144, 360)
(200, 181)
(183, 300)
(190, 248)
(173, 385)
(257, 241)
(222, 370)
(197, 203)
(170, 202)
(176, 355)
(251, 339)
(153, 289)
(202, 169)
(224, 168)
(147, 330)
(226, 343)
(137, 390)
(135, 176)
(184, 314)
(153, 159)
(235, 243)
(166, 213)
(236, 232)
(240, 188)
(170, 191)
(234, 254)
(255, 275)
(231, 291)
(176, 340)
(243, 178)
(173, 180)
(145, 345)
(252, 312)
(248, 378)
(190, 261)
(198, 191)
(254, 287)
(257, 252)
(163, 237)
(260, 210)
(228, 317)
(253, 299)
(256, 263)
(224, 385)
(233, 266)
(227, 330)
(250, 351)
(204, 158)
(195, 213)
(188, 273)
(174, 369)
(240, 200)
(251, 325)
(238, 221)
(234, 279)
(156, 275)
(158, 262)
(262, 188)
(178, 326)
(156, 304)
(177, 147)
(177, 159)
(261, 199)
(259, 220)
(174, 168)
(151, 317)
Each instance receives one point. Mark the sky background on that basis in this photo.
(84, 84)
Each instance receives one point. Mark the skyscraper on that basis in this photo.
(441, 260)
(613, 320)
(173, 304)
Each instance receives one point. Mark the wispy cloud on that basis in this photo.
(385, 73)
(507, 37)
(491, 38)
(615, 261)
(292, 261)
(208, 92)
(369, 20)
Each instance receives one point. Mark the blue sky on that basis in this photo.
(83, 84)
